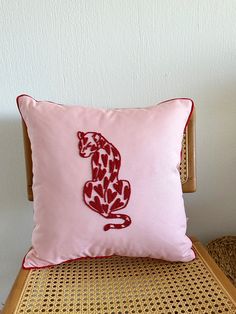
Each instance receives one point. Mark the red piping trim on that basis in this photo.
(190, 115)
(17, 102)
(192, 108)
(67, 261)
(162, 102)
(195, 252)
(82, 258)
(24, 95)
(52, 102)
(193, 248)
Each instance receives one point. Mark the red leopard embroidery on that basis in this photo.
(105, 193)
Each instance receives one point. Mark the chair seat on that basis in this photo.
(125, 285)
(223, 251)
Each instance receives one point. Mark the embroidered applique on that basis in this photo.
(105, 193)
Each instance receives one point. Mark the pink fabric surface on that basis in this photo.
(149, 143)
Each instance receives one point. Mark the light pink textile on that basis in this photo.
(67, 227)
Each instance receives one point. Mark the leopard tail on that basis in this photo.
(126, 223)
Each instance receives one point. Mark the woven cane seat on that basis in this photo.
(223, 250)
(120, 285)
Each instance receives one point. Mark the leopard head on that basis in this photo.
(88, 143)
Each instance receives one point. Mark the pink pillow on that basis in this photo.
(106, 182)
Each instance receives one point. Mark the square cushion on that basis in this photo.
(106, 181)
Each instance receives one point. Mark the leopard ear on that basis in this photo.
(80, 134)
(97, 137)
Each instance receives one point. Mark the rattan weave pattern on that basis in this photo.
(120, 285)
(184, 161)
(223, 250)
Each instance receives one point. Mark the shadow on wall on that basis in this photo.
(15, 211)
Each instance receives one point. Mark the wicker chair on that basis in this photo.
(126, 285)
(223, 250)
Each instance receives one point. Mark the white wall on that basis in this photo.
(120, 53)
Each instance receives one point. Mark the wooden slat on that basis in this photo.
(28, 162)
(190, 185)
(217, 273)
(16, 292)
